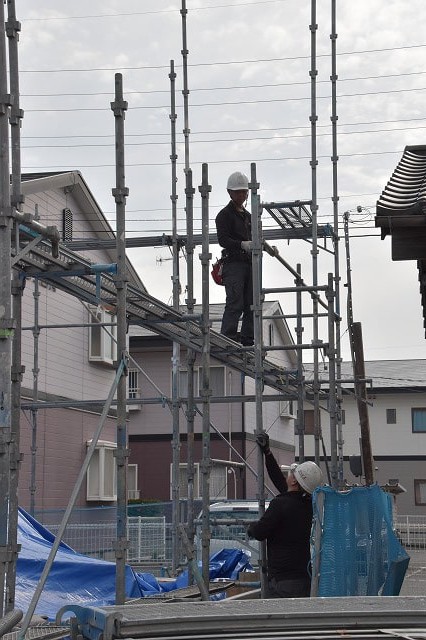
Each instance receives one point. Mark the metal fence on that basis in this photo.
(411, 531)
(150, 538)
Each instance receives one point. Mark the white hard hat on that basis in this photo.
(308, 475)
(237, 181)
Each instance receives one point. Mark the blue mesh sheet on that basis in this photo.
(360, 554)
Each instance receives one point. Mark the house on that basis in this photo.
(396, 392)
(68, 358)
(233, 423)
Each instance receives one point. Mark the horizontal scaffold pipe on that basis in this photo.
(166, 240)
(87, 404)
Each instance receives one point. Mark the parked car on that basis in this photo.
(232, 531)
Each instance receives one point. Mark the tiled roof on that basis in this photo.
(384, 374)
(401, 212)
(405, 192)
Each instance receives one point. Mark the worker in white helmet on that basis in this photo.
(286, 527)
(233, 224)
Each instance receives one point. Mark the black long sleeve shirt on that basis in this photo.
(233, 227)
(286, 527)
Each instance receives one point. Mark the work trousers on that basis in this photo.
(237, 278)
(290, 588)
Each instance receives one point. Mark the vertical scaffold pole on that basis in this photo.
(120, 192)
(334, 160)
(258, 351)
(205, 256)
(190, 301)
(331, 352)
(314, 251)
(6, 322)
(13, 28)
(300, 422)
(176, 346)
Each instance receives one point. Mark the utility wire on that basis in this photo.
(228, 88)
(226, 63)
(158, 11)
(237, 103)
(297, 128)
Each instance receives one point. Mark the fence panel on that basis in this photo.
(411, 531)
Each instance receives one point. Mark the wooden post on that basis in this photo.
(361, 398)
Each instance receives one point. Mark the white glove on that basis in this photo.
(247, 245)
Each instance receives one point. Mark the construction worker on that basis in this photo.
(286, 527)
(233, 224)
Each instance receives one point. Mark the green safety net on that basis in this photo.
(355, 551)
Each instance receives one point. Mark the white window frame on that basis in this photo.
(133, 492)
(102, 473)
(133, 390)
(288, 409)
(220, 483)
(183, 482)
(107, 341)
(198, 380)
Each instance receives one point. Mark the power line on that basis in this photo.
(195, 133)
(237, 103)
(146, 13)
(226, 63)
(228, 88)
(216, 140)
(259, 160)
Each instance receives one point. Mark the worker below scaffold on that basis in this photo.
(286, 526)
(233, 224)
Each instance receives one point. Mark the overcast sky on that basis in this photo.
(249, 101)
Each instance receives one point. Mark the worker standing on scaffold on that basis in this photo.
(233, 224)
(286, 526)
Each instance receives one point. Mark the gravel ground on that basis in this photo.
(415, 579)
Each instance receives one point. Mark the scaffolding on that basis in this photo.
(30, 250)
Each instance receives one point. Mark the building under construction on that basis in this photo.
(56, 288)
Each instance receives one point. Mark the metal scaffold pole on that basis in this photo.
(190, 300)
(335, 199)
(18, 284)
(314, 207)
(120, 192)
(205, 391)
(176, 346)
(300, 422)
(7, 323)
(258, 351)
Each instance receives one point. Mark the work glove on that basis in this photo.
(263, 441)
(247, 246)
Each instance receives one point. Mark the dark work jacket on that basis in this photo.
(286, 527)
(275, 473)
(232, 227)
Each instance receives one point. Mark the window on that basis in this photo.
(418, 420)
(420, 492)
(309, 422)
(102, 473)
(343, 416)
(218, 482)
(102, 339)
(217, 381)
(133, 391)
(132, 482)
(288, 409)
(390, 416)
(183, 480)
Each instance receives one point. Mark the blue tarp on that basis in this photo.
(78, 579)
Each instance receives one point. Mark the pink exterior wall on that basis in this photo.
(61, 447)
